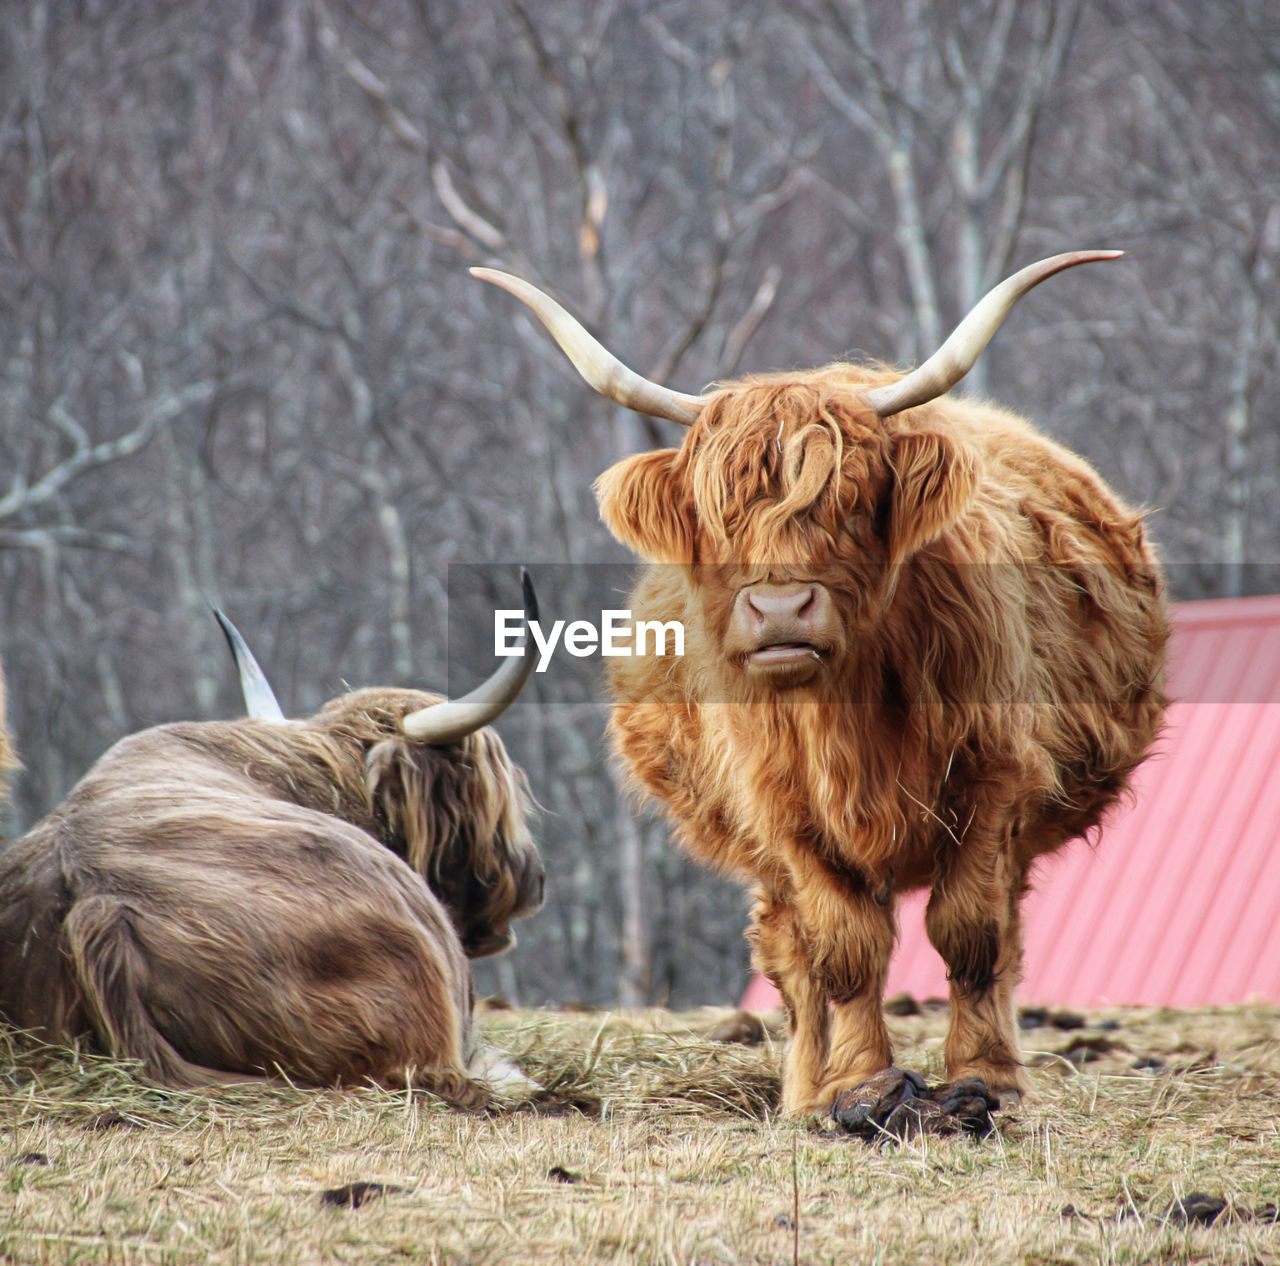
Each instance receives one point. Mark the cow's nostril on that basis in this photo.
(779, 604)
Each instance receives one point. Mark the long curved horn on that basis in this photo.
(454, 719)
(259, 699)
(958, 354)
(600, 367)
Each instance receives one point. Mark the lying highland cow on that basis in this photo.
(225, 900)
(925, 647)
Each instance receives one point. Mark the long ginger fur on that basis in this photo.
(997, 680)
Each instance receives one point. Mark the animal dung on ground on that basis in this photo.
(354, 1194)
(743, 1028)
(899, 1104)
(902, 1004)
(114, 1121)
(1197, 1207)
(1043, 1017)
(1067, 1020)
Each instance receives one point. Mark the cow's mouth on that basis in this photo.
(784, 653)
(785, 663)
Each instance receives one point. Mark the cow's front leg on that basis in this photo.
(854, 967)
(973, 922)
(841, 939)
(778, 951)
(981, 1061)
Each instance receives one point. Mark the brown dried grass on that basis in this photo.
(653, 1143)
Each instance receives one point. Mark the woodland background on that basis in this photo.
(241, 360)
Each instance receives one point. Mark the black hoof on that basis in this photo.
(881, 1105)
(966, 1105)
(899, 1104)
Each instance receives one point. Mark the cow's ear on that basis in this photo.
(643, 505)
(934, 480)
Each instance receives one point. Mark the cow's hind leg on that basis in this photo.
(113, 973)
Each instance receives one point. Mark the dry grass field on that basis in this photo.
(656, 1142)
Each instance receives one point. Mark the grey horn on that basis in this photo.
(946, 367)
(600, 367)
(259, 699)
(959, 353)
(454, 719)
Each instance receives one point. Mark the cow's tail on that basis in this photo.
(111, 969)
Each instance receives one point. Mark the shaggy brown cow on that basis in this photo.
(924, 646)
(229, 899)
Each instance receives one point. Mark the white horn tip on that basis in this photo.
(1070, 258)
(494, 275)
(451, 720)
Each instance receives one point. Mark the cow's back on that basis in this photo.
(1082, 586)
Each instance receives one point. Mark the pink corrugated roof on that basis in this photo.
(1179, 902)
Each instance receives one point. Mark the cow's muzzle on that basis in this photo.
(784, 632)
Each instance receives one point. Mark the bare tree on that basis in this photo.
(243, 359)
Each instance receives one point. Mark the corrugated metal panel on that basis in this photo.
(1179, 904)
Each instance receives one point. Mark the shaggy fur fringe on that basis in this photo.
(998, 676)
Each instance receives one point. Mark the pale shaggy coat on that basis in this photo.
(231, 899)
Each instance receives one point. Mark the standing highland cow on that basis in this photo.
(225, 900)
(925, 646)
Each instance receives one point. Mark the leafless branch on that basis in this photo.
(23, 496)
